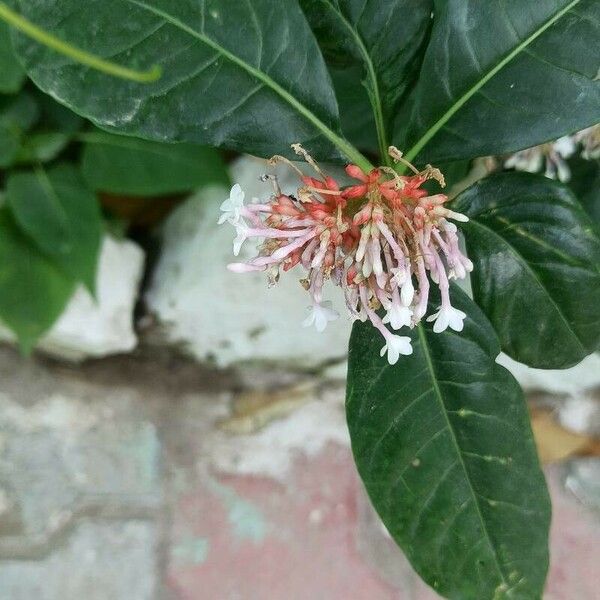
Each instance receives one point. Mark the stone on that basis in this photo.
(80, 486)
(99, 327)
(233, 318)
(89, 565)
(574, 393)
(575, 382)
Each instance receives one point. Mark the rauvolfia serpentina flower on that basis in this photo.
(383, 240)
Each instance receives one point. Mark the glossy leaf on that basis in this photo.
(123, 165)
(242, 75)
(502, 76)
(12, 74)
(61, 216)
(537, 267)
(443, 445)
(386, 38)
(55, 116)
(33, 289)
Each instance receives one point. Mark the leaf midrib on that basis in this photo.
(374, 95)
(434, 129)
(521, 259)
(440, 399)
(352, 153)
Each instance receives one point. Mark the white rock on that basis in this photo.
(99, 327)
(230, 317)
(271, 451)
(574, 382)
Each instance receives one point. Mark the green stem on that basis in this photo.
(432, 131)
(375, 99)
(81, 56)
(372, 86)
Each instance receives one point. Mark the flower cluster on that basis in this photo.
(552, 156)
(382, 240)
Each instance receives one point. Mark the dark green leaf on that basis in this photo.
(124, 165)
(386, 38)
(443, 444)
(17, 115)
(242, 75)
(41, 147)
(356, 114)
(33, 290)
(488, 85)
(58, 212)
(537, 267)
(585, 183)
(12, 74)
(55, 116)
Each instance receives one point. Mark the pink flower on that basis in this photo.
(384, 241)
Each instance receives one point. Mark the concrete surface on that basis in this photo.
(150, 478)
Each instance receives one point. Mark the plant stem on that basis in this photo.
(432, 131)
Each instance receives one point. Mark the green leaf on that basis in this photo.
(123, 165)
(61, 216)
(443, 445)
(41, 147)
(12, 74)
(537, 267)
(33, 290)
(585, 183)
(356, 114)
(386, 38)
(502, 76)
(55, 116)
(17, 115)
(242, 75)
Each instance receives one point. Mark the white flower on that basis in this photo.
(243, 231)
(232, 206)
(565, 146)
(398, 315)
(407, 292)
(447, 316)
(320, 315)
(551, 154)
(395, 346)
(530, 160)
(590, 139)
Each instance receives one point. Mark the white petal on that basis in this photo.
(237, 194)
(565, 146)
(407, 292)
(320, 321)
(456, 319)
(309, 320)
